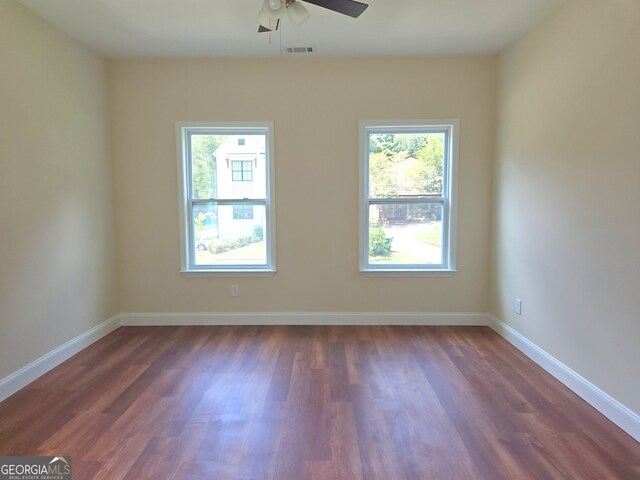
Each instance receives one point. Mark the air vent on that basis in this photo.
(300, 50)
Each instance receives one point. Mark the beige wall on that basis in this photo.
(567, 193)
(316, 106)
(56, 239)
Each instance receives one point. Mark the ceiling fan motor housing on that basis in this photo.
(275, 13)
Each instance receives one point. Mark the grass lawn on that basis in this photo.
(252, 253)
(433, 236)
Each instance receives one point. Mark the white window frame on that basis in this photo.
(448, 200)
(187, 246)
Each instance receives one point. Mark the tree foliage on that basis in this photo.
(204, 164)
(408, 164)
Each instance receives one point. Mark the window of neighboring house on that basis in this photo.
(242, 171)
(408, 190)
(216, 194)
(243, 212)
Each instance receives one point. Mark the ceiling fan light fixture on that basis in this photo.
(263, 18)
(297, 13)
(275, 13)
(266, 21)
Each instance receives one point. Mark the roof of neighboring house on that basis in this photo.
(230, 146)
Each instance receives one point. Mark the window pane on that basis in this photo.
(247, 171)
(243, 212)
(229, 234)
(203, 164)
(228, 166)
(405, 234)
(405, 164)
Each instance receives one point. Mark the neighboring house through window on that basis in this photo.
(407, 199)
(226, 183)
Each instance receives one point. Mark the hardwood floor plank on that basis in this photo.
(312, 403)
(338, 372)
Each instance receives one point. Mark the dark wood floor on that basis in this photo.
(387, 403)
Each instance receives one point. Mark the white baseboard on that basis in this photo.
(289, 318)
(615, 411)
(27, 374)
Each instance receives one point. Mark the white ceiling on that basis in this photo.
(217, 28)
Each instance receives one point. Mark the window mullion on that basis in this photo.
(229, 201)
(396, 200)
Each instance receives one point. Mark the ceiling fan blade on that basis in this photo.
(346, 7)
(263, 29)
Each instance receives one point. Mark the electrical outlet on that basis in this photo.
(518, 306)
(235, 290)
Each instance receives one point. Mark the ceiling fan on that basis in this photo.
(273, 11)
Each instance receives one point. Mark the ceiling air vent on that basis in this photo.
(300, 50)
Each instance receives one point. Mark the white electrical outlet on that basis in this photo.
(518, 306)
(235, 290)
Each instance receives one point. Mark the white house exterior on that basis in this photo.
(240, 174)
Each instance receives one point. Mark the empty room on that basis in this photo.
(319, 239)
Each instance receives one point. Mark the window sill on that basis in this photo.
(228, 273)
(408, 273)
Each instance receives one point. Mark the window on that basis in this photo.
(243, 212)
(226, 185)
(242, 171)
(407, 206)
